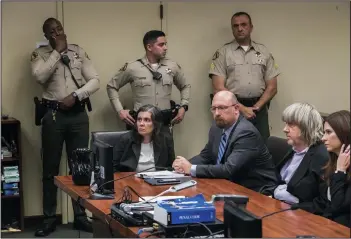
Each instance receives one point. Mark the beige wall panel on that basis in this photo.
(112, 34)
(21, 29)
(310, 42)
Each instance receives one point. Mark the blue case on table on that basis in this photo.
(184, 211)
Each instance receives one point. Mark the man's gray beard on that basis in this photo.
(220, 124)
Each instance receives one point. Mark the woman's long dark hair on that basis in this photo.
(157, 121)
(340, 122)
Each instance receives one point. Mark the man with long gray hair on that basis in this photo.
(300, 171)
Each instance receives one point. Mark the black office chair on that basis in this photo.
(109, 137)
(278, 147)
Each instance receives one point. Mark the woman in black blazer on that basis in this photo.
(335, 194)
(300, 171)
(146, 145)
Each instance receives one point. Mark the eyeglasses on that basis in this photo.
(220, 108)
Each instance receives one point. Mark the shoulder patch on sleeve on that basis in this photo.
(215, 56)
(34, 56)
(86, 55)
(275, 64)
(124, 67)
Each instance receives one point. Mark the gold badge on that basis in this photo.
(276, 66)
(215, 56)
(124, 67)
(34, 56)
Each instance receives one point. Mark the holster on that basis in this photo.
(40, 111)
(167, 115)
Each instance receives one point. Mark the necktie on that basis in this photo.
(221, 148)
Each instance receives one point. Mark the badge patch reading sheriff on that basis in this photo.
(215, 56)
(124, 67)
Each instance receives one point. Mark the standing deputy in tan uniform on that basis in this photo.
(151, 79)
(247, 69)
(55, 67)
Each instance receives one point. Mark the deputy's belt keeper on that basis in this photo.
(40, 111)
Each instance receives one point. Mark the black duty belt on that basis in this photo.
(55, 105)
(248, 102)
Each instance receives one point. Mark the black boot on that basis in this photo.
(81, 221)
(82, 224)
(48, 226)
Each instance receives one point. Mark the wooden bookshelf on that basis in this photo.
(12, 205)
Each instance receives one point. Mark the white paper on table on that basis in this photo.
(158, 174)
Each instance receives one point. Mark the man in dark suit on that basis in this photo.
(235, 149)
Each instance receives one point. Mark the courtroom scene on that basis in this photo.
(175, 119)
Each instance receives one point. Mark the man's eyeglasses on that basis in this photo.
(220, 108)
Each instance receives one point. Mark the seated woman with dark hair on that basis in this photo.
(146, 145)
(300, 171)
(335, 194)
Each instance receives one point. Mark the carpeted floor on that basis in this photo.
(62, 231)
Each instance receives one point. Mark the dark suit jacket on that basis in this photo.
(338, 209)
(306, 180)
(246, 160)
(127, 152)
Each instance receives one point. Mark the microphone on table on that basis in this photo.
(100, 189)
(293, 207)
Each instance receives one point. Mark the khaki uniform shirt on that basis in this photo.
(55, 77)
(145, 89)
(245, 73)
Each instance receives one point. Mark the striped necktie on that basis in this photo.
(221, 147)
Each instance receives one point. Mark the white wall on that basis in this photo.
(310, 42)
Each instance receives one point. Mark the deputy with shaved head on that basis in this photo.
(235, 149)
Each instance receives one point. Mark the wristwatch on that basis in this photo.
(336, 171)
(185, 107)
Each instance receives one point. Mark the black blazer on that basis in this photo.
(338, 209)
(306, 180)
(127, 152)
(246, 160)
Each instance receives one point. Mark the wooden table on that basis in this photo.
(285, 224)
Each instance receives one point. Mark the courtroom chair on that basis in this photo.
(278, 147)
(108, 137)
